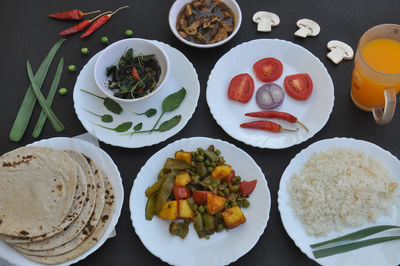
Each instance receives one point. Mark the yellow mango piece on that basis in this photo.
(215, 203)
(233, 217)
(169, 210)
(184, 210)
(221, 171)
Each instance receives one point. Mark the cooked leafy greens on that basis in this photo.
(134, 76)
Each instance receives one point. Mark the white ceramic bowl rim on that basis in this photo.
(99, 79)
(230, 3)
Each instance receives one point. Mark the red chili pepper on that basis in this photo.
(135, 74)
(279, 115)
(80, 26)
(266, 125)
(74, 14)
(100, 22)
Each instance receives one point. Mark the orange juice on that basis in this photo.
(367, 87)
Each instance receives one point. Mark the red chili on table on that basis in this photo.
(100, 22)
(80, 26)
(279, 115)
(74, 14)
(267, 126)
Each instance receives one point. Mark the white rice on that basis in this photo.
(341, 188)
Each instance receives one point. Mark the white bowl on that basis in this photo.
(115, 51)
(179, 4)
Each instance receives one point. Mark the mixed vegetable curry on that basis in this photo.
(199, 187)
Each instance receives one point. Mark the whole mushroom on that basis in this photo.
(339, 51)
(307, 27)
(265, 20)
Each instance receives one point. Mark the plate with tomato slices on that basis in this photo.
(307, 93)
(222, 247)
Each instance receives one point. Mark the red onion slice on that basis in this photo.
(269, 95)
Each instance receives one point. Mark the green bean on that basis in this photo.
(226, 191)
(150, 205)
(176, 164)
(201, 169)
(165, 191)
(220, 193)
(213, 164)
(155, 187)
(179, 229)
(211, 155)
(221, 187)
(50, 96)
(28, 103)
(208, 221)
(198, 222)
(200, 158)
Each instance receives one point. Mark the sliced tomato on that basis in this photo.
(298, 86)
(268, 69)
(247, 187)
(181, 192)
(241, 88)
(200, 197)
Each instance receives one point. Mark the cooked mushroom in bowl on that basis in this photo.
(205, 23)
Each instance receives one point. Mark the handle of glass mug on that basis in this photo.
(384, 115)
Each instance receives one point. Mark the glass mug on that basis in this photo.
(376, 73)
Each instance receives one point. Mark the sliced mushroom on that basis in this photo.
(339, 51)
(221, 34)
(265, 20)
(307, 27)
(192, 29)
(188, 10)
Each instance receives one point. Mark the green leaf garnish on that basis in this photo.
(120, 128)
(109, 103)
(148, 113)
(138, 127)
(105, 118)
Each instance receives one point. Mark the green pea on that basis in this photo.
(72, 68)
(84, 51)
(221, 187)
(217, 152)
(213, 164)
(128, 33)
(210, 169)
(200, 158)
(234, 203)
(201, 209)
(62, 91)
(246, 203)
(199, 150)
(207, 163)
(104, 40)
(226, 191)
(220, 193)
(220, 227)
(207, 236)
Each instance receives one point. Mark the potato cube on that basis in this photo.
(182, 180)
(222, 171)
(233, 217)
(215, 203)
(184, 209)
(184, 156)
(169, 210)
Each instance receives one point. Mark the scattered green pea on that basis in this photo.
(84, 51)
(128, 33)
(104, 40)
(72, 68)
(62, 91)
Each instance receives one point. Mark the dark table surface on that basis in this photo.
(27, 33)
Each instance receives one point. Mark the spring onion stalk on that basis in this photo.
(356, 235)
(320, 253)
(58, 126)
(25, 111)
(49, 100)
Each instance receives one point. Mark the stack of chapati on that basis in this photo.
(54, 205)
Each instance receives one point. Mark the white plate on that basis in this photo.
(182, 74)
(382, 254)
(104, 161)
(314, 112)
(222, 248)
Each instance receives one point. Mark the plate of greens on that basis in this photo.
(143, 123)
(213, 243)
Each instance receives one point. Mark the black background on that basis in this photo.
(26, 32)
